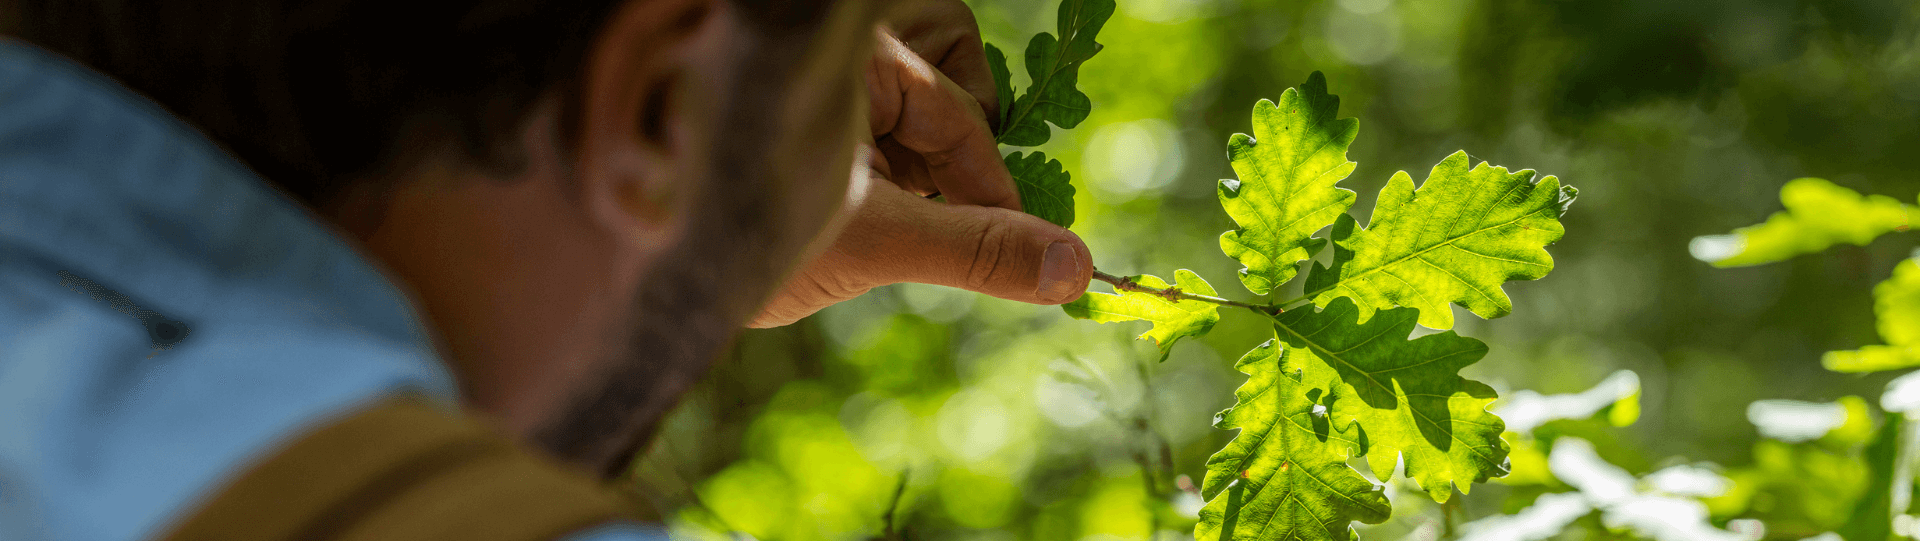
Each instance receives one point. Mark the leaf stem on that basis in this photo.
(1174, 294)
(1307, 296)
(888, 527)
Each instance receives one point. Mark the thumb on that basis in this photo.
(996, 251)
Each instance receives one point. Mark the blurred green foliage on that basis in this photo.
(995, 420)
(1818, 215)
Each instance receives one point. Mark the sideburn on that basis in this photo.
(704, 288)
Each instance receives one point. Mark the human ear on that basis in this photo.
(647, 107)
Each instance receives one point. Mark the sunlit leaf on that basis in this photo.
(1896, 304)
(1818, 215)
(1285, 192)
(1044, 187)
(1406, 395)
(1454, 240)
(1053, 64)
(1172, 319)
(1285, 475)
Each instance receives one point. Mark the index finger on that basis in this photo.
(933, 117)
(945, 33)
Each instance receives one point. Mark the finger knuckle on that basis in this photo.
(834, 289)
(994, 243)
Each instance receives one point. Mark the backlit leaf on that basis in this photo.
(1285, 475)
(1818, 215)
(1407, 396)
(1285, 192)
(1172, 319)
(1454, 240)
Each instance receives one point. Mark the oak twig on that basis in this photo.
(1174, 294)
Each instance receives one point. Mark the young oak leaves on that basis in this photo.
(1342, 378)
(1053, 64)
(1286, 188)
(1453, 241)
(1287, 468)
(1406, 395)
(1173, 318)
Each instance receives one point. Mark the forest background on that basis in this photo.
(917, 412)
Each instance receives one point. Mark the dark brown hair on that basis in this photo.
(314, 95)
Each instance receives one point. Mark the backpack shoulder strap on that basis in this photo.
(403, 469)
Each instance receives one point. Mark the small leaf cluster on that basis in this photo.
(1341, 377)
(1053, 65)
(1818, 215)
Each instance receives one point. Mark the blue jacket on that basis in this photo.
(165, 315)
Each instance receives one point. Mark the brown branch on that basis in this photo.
(1174, 294)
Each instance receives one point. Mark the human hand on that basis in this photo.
(932, 136)
(945, 35)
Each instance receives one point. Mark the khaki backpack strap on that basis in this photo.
(403, 469)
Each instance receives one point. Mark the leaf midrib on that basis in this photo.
(1288, 458)
(1038, 88)
(1328, 353)
(1436, 246)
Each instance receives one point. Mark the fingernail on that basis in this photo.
(1058, 269)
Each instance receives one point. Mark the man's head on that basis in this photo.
(587, 197)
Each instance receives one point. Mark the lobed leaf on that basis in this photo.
(1285, 192)
(1053, 64)
(1044, 187)
(1406, 395)
(1896, 306)
(1454, 240)
(1285, 475)
(1818, 216)
(1172, 320)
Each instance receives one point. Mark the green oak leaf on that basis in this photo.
(1454, 240)
(1285, 475)
(1818, 215)
(1044, 187)
(1407, 396)
(1286, 191)
(1896, 306)
(1002, 83)
(1172, 320)
(1053, 64)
